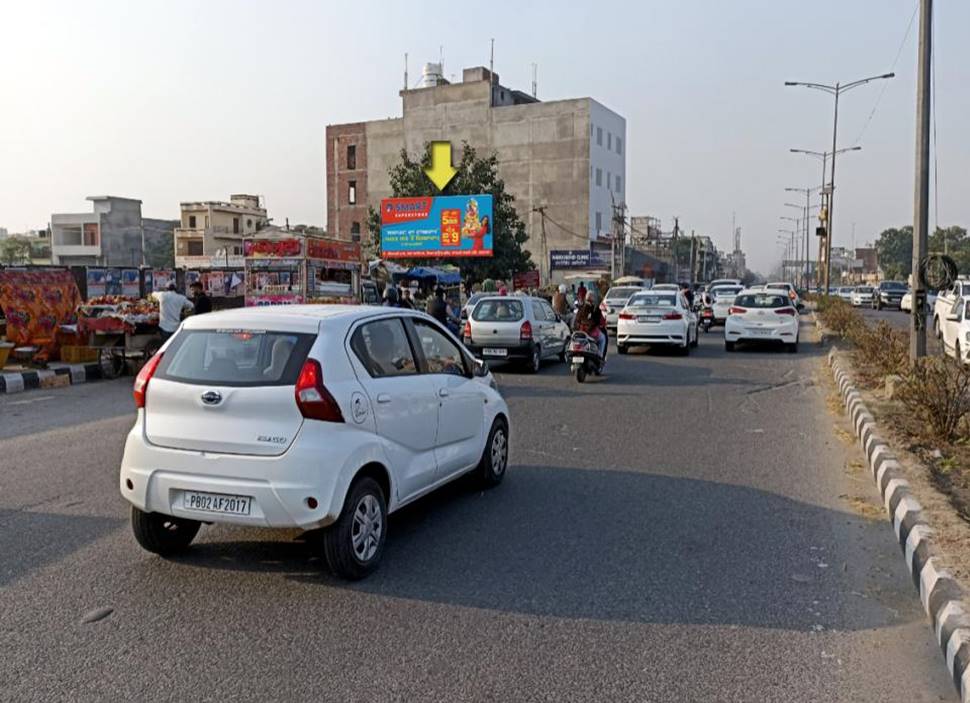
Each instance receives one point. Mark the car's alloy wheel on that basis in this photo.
(368, 528)
(353, 545)
(495, 458)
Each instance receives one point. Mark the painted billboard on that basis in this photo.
(445, 226)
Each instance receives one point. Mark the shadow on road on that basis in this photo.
(605, 545)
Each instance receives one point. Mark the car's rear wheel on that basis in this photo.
(163, 534)
(565, 348)
(728, 346)
(792, 348)
(534, 363)
(622, 348)
(495, 458)
(936, 328)
(353, 545)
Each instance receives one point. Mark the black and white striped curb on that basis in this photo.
(941, 595)
(17, 381)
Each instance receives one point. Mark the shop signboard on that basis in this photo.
(337, 254)
(273, 248)
(569, 258)
(525, 280)
(437, 227)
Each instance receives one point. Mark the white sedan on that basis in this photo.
(906, 302)
(762, 316)
(657, 317)
(955, 331)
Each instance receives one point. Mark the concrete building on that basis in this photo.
(113, 234)
(568, 156)
(210, 232)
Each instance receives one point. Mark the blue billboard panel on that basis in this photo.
(444, 226)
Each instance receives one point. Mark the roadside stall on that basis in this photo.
(288, 268)
(116, 330)
(35, 303)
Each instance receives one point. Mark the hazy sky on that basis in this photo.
(171, 101)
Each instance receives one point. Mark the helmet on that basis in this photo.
(562, 288)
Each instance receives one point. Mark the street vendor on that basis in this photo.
(171, 303)
(201, 301)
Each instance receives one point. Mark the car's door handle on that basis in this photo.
(383, 398)
(443, 392)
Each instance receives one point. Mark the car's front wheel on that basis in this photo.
(728, 346)
(495, 458)
(163, 534)
(353, 545)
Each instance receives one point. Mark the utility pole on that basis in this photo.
(917, 320)
(673, 251)
(693, 258)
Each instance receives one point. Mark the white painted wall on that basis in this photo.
(607, 160)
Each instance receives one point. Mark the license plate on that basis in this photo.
(757, 331)
(648, 318)
(578, 360)
(217, 503)
(495, 352)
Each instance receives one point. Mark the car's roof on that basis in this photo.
(297, 318)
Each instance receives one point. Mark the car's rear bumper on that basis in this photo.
(650, 334)
(513, 351)
(739, 332)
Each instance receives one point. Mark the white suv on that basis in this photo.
(306, 416)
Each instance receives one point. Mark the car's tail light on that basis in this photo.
(312, 397)
(525, 332)
(140, 390)
(673, 316)
(626, 316)
(733, 310)
(785, 311)
(467, 332)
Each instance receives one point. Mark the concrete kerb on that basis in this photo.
(941, 595)
(19, 381)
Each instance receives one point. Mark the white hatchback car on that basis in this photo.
(306, 417)
(861, 296)
(657, 318)
(762, 316)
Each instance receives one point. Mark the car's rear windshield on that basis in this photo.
(892, 285)
(762, 300)
(863, 289)
(235, 357)
(621, 293)
(725, 292)
(502, 310)
(651, 300)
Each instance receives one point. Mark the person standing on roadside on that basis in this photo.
(201, 301)
(406, 300)
(170, 306)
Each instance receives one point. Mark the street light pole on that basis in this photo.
(917, 319)
(835, 90)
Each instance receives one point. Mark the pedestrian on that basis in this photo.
(390, 297)
(406, 301)
(581, 292)
(201, 301)
(170, 306)
(437, 307)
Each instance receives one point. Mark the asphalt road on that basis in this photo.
(684, 529)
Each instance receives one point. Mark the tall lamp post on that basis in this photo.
(835, 90)
(789, 243)
(805, 209)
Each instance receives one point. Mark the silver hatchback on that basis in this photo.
(507, 328)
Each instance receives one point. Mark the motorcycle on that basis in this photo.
(584, 355)
(707, 318)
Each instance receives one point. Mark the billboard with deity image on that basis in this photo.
(444, 226)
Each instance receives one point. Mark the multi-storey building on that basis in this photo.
(210, 232)
(567, 157)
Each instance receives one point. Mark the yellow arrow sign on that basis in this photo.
(441, 171)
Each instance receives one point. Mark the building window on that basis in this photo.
(599, 176)
(207, 222)
(352, 192)
(249, 224)
(237, 251)
(194, 247)
(599, 136)
(599, 222)
(619, 146)
(609, 141)
(355, 231)
(351, 156)
(191, 221)
(590, 130)
(609, 181)
(617, 182)
(235, 225)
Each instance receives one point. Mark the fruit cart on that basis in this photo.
(119, 332)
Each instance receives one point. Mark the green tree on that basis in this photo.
(14, 251)
(475, 175)
(954, 241)
(894, 249)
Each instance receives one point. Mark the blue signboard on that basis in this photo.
(445, 226)
(569, 258)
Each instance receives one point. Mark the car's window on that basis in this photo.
(652, 300)
(621, 293)
(863, 289)
(441, 354)
(383, 348)
(763, 300)
(726, 291)
(892, 285)
(499, 310)
(237, 357)
(548, 311)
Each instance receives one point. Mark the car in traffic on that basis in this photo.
(760, 316)
(955, 330)
(657, 317)
(789, 289)
(888, 294)
(722, 297)
(862, 296)
(666, 286)
(516, 328)
(470, 304)
(315, 416)
(945, 302)
(906, 302)
(725, 282)
(614, 301)
(845, 292)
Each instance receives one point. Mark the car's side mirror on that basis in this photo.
(953, 318)
(481, 369)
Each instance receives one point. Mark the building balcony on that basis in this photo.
(76, 249)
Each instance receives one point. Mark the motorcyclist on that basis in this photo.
(590, 320)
